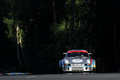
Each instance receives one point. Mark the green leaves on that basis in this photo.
(61, 27)
(45, 29)
(10, 24)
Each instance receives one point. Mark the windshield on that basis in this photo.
(77, 55)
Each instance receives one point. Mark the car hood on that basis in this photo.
(77, 60)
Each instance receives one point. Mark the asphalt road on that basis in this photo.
(74, 76)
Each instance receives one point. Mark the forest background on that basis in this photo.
(35, 33)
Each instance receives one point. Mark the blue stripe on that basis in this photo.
(87, 65)
(67, 66)
(17, 73)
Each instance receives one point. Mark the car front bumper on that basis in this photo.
(87, 68)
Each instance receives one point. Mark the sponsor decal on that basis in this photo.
(77, 60)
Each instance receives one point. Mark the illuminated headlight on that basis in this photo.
(66, 61)
(88, 61)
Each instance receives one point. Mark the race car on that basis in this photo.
(77, 61)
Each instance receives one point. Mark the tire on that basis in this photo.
(60, 70)
(94, 70)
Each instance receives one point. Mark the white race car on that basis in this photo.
(77, 61)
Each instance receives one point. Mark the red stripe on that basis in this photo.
(91, 61)
(77, 51)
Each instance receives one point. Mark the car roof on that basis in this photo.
(77, 50)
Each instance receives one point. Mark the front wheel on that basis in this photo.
(94, 70)
(60, 70)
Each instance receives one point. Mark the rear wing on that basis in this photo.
(89, 53)
(64, 53)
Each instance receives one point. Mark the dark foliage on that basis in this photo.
(45, 30)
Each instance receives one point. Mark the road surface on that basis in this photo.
(69, 76)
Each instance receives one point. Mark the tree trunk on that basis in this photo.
(21, 46)
(18, 42)
(72, 24)
(54, 14)
(114, 41)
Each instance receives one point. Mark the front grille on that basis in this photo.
(77, 68)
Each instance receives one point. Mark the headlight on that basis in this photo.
(66, 61)
(88, 61)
